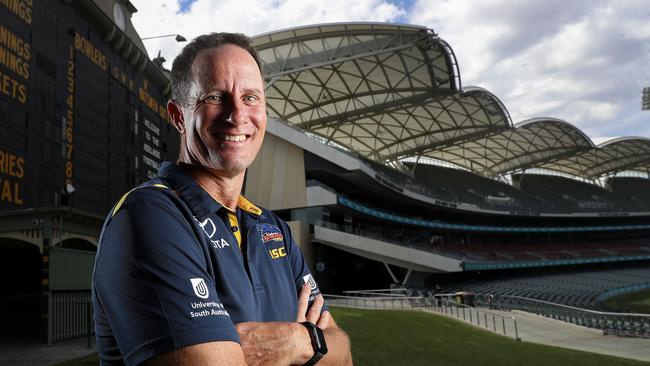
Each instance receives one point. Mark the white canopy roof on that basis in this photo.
(393, 91)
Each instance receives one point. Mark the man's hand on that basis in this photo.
(283, 344)
(312, 314)
(272, 343)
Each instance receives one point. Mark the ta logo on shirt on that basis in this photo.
(200, 288)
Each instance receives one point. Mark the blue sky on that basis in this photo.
(585, 62)
(184, 5)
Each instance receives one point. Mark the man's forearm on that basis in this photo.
(338, 345)
(289, 344)
(268, 343)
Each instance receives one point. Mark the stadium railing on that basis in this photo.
(441, 304)
(70, 315)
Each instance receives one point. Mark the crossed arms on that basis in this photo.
(270, 343)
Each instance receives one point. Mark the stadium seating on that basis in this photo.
(564, 194)
(578, 289)
(503, 252)
(532, 192)
(633, 190)
(464, 186)
(534, 251)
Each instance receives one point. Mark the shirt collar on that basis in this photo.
(197, 198)
(248, 206)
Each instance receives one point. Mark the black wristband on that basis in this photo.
(317, 342)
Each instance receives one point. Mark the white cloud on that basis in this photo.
(251, 18)
(584, 62)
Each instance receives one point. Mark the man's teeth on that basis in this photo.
(237, 138)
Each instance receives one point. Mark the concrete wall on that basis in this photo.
(71, 269)
(276, 179)
(397, 255)
(300, 232)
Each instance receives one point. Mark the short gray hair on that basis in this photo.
(181, 75)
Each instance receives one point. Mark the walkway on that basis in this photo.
(538, 329)
(37, 354)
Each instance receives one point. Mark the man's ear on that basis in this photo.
(176, 115)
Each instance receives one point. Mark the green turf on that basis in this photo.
(634, 302)
(415, 338)
(91, 360)
(396, 338)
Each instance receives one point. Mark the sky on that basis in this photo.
(585, 62)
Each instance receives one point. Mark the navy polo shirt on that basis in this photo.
(175, 268)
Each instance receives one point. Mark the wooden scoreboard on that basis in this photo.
(82, 108)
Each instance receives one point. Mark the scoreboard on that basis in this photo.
(80, 124)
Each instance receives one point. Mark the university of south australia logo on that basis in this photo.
(310, 280)
(200, 288)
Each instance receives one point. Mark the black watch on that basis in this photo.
(317, 342)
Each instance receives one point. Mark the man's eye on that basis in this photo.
(213, 99)
(251, 98)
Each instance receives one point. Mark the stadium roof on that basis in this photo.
(529, 143)
(611, 156)
(393, 91)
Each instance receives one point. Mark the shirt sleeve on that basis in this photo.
(153, 281)
(300, 268)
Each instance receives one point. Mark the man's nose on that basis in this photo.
(235, 113)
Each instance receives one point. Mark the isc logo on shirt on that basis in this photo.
(200, 288)
(278, 253)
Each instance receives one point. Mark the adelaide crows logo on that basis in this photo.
(269, 233)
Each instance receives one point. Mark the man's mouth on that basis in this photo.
(234, 138)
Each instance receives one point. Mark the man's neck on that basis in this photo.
(223, 189)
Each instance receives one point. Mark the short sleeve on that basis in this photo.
(153, 283)
(299, 266)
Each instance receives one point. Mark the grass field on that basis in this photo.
(396, 338)
(414, 338)
(635, 302)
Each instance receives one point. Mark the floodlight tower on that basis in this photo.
(645, 99)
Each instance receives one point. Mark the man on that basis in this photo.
(184, 272)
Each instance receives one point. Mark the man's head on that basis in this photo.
(218, 102)
(181, 75)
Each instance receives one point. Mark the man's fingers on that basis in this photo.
(303, 302)
(324, 320)
(314, 311)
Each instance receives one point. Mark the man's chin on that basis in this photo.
(226, 169)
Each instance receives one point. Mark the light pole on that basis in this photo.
(178, 37)
(158, 61)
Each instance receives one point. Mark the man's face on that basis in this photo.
(225, 120)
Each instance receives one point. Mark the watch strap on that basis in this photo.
(317, 342)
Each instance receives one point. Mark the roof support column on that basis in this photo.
(392, 275)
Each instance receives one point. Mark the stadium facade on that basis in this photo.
(362, 118)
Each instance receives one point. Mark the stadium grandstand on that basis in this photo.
(411, 177)
(388, 170)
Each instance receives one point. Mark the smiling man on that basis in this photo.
(190, 272)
